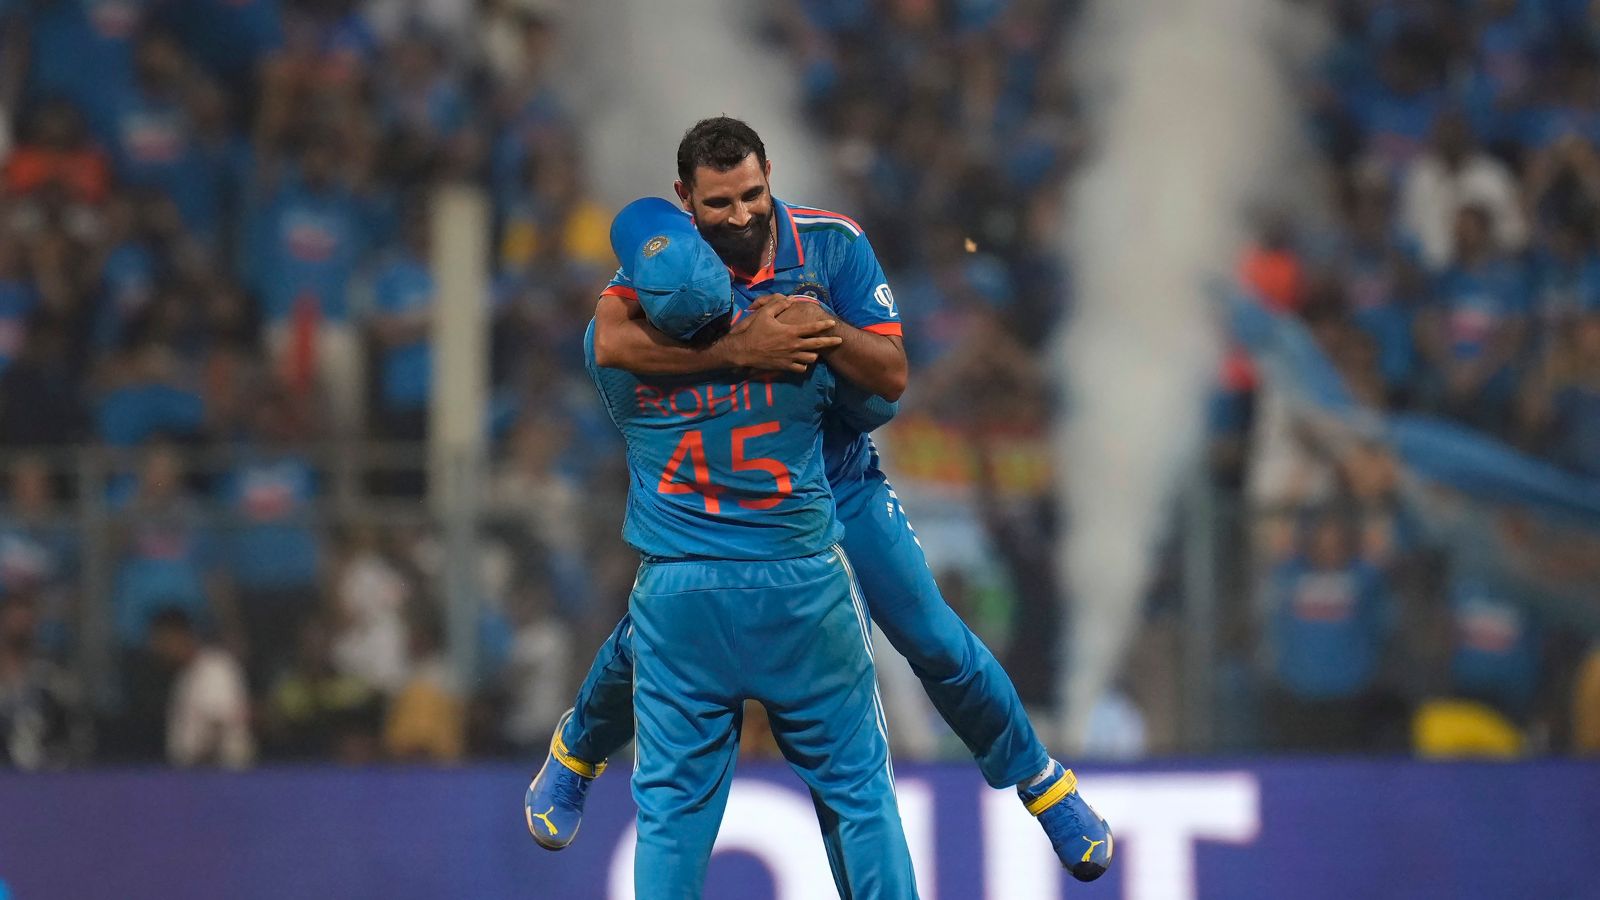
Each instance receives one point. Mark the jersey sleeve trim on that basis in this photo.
(890, 328)
(620, 290)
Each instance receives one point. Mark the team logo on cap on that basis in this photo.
(655, 245)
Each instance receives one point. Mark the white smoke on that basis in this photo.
(1195, 126)
(651, 69)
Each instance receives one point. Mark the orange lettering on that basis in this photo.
(649, 398)
(699, 404)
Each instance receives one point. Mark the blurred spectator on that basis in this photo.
(1563, 183)
(402, 322)
(370, 596)
(536, 677)
(308, 237)
(128, 268)
(1328, 618)
(148, 395)
(167, 559)
(274, 554)
(55, 156)
(536, 492)
(208, 715)
(422, 108)
(551, 220)
(153, 138)
(1023, 532)
(1454, 175)
(1382, 279)
(1116, 728)
(18, 300)
(40, 400)
(313, 711)
(41, 721)
(1561, 403)
(1498, 648)
(78, 47)
(1566, 276)
(1396, 104)
(229, 37)
(1272, 269)
(1586, 706)
(38, 555)
(427, 719)
(1473, 332)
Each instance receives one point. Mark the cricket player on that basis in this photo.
(743, 592)
(772, 247)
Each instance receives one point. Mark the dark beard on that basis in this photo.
(740, 248)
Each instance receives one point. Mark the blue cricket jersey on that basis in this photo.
(728, 466)
(827, 256)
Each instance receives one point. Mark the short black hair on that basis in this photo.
(720, 142)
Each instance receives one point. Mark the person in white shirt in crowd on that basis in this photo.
(370, 595)
(208, 713)
(1452, 175)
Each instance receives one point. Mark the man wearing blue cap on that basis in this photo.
(743, 591)
(773, 247)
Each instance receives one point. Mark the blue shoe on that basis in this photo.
(1081, 838)
(554, 802)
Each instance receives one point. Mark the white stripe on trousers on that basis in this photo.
(859, 603)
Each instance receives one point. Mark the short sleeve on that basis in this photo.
(860, 291)
(620, 286)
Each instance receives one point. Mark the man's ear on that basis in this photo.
(682, 190)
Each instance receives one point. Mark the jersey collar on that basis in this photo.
(788, 254)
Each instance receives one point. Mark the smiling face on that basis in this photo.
(732, 209)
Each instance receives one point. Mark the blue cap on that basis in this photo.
(682, 284)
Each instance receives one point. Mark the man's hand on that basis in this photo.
(761, 340)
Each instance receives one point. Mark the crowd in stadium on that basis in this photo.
(214, 265)
(1457, 274)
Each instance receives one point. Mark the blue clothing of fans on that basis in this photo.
(229, 37)
(1372, 284)
(41, 560)
(306, 245)
(164, 566)
(1565, 286)
(1397, 124)
(1497, 646)
(128, 415)
(77, 48)
(1575, 429)
(274, 542)
(743, 593)
(154, 146)
(826, 256)
(1477, 301)
(127, 283)
(17, 302)
(1328, 627)
(405, 287)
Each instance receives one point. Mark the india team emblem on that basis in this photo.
(655, 245)
(885, 298)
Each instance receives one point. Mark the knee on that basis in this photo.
(938, 651)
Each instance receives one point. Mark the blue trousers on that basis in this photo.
(794, 636)
(962, 677)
